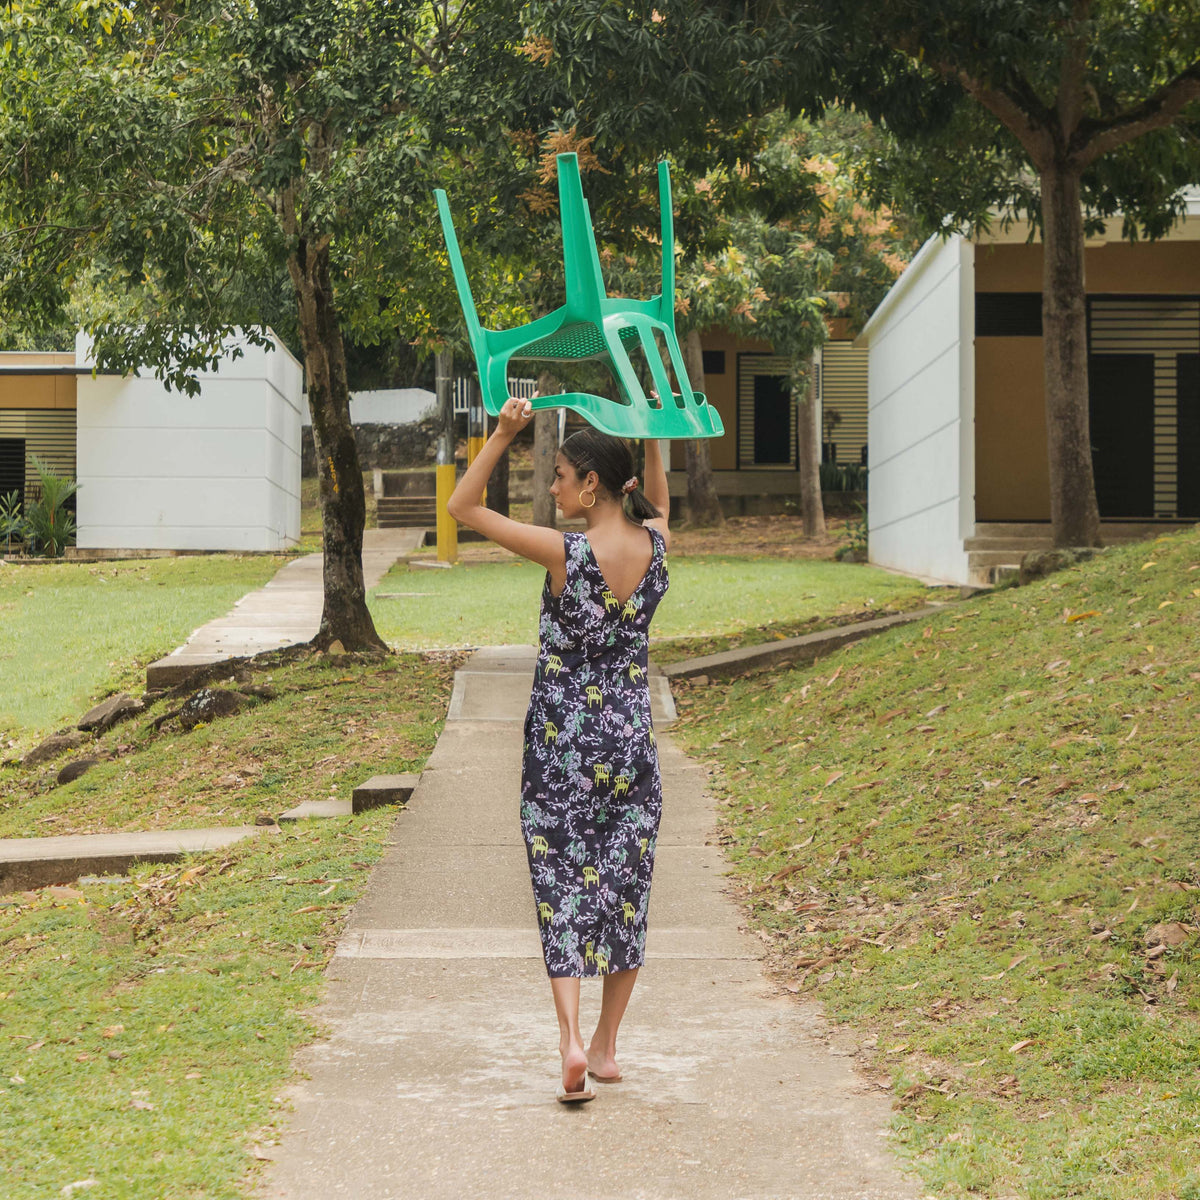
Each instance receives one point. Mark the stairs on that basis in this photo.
(406, 512)
(997, 548)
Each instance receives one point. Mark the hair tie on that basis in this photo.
(630, 485)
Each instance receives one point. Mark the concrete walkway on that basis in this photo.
(438, 1075)
(287, 610)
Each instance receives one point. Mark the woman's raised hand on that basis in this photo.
(513, 417)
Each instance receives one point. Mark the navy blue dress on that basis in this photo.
(591, 796)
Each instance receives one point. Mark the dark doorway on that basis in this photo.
(772, 420)
(12, 467)
(1187, 378)
(1121, 395)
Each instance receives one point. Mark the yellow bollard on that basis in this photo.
(447, 527)
(474, 445)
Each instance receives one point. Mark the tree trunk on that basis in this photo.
(703, 507)
(545, 449)
(811, 508)
(345, 617)
(497, 487)
(1073, 510)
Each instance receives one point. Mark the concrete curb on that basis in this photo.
(27, 863)
(804, 649)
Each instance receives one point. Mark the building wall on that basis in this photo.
(1125, 268)
(39, 412)
(844, 391)
(921, 414)
(1010, 435)
(721, 392)
(217, 471)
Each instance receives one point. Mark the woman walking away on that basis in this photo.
(590, 790)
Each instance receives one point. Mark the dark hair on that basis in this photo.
(610, 457)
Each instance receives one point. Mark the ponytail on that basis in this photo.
(640, 508)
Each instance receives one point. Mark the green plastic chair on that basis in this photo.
(591, 325)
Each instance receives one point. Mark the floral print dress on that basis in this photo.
(591, 796)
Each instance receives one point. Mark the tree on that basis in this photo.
(1064, 111)
(208, 152)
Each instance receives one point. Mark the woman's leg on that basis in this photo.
(602, 1053)
(570, 1041)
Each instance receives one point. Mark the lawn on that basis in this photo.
(74, 631)
(150, 1021)
(713, 598)
(977, 839)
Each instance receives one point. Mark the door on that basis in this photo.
(1121, 396)
(12, 467)
(1187, 377)
(772, 420)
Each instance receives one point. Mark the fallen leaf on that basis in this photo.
(832, 679)
(834, 777)
(111, 1031)
(1148, 565)
(71, 1188)
(907, 987)
(1083, 616)
(311, 908)
(937, 712)
(145, 1105)
(35, 1046)
(1016, 962)
(1017, 1047)
(1087, 798)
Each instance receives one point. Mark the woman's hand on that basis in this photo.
(513, 417)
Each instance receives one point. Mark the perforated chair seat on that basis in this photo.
(592, 325)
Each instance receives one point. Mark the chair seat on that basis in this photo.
(572, 343)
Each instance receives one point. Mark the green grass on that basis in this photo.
(74, 631)
(713, 600)
(964, 837)
(149, 1023)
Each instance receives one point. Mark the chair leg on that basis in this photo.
(623, 368)
(494, 384)
(658, 372)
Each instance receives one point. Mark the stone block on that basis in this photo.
(53, 746)
(109, 712)
(384, 789)
(309, 809)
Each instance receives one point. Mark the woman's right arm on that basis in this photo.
(535, 542)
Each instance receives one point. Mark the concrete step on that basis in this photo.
(40, 862)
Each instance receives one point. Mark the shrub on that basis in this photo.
(49, 524)
(12, 520)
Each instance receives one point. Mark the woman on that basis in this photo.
(590, 791)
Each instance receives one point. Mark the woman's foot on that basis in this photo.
(574, 1068)
(602, 1066)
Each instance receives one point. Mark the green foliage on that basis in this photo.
(965, 837)
(858, 535)
(49, 524)
(843, 477)
(12, 519)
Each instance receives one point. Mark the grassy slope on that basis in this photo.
(712, 597)
(148, 1022)
(968, 839)
(70, 631)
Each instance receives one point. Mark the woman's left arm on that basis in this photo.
(656, 489)
(535, 542)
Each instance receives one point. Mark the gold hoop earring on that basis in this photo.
(581, 496)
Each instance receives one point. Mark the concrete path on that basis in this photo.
(438, 1075)
(287, 610)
